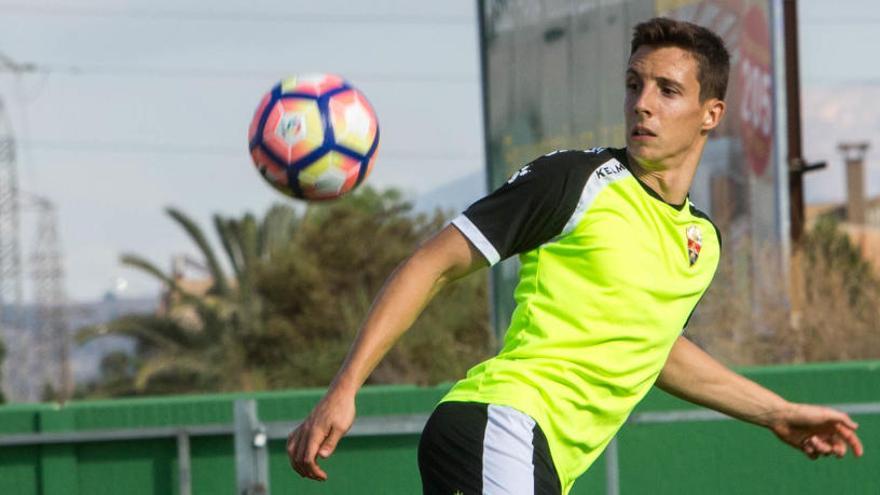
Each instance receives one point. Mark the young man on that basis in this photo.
(614, 260)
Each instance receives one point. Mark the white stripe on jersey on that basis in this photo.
(605, 174)
(473, 234)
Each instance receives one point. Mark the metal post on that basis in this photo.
(183, 464)
(612, 469)
(251, 453)
(793, 119)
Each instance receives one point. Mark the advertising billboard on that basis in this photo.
(553, 79)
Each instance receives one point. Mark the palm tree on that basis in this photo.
(195, 345)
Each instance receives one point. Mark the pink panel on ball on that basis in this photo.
(317, 84)
(354, 121)
(353, 168)
(252, 131)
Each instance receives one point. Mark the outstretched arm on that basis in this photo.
(693, 375)
(445, 257)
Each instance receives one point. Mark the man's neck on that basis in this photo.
(670, 182)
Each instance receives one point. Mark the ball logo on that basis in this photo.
(291, 128)
(694, 243)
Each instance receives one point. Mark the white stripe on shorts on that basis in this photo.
(507, 452)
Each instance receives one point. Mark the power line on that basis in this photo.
(218, 73)
(230, 16)
(135, 147)
(840, 21)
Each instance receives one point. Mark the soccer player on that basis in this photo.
(614, 258)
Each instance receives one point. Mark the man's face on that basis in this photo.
(664, 115)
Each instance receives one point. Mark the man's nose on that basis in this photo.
(644, 102)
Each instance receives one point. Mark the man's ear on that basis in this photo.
(714, 111)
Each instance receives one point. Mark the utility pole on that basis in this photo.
(30, 355)
(11, 289)
(47, 275)
(797, 167)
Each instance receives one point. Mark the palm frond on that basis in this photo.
(168, 363)
(248, 240)
(225, 231)
(195, 233)
(277, 229)
(151, 329)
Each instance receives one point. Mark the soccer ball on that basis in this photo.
(314, 137)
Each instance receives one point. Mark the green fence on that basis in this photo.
(174, 445)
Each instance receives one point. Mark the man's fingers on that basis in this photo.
(293, 443)
(329, 444)
(839, 447)
(309, 432)
(846, 420)
(821, 445)
(850, 437)
(810, 451)
(310, 453)
(291, 447)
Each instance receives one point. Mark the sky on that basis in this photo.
(840, 91)
(136, 105)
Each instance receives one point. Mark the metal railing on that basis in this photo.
(252, 436)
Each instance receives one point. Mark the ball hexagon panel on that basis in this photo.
(333, 174)
(353, 121)
(255, 122)
(293, 129)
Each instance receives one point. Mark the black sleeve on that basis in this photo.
(531, 208)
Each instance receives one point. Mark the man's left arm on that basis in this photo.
(693, 375)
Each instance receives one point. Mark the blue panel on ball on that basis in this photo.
(304, 96)
(366, 163)
(324, 110)
(348, 152)
(335, 91)
(311, 158)
(258, 137)
(293, 183)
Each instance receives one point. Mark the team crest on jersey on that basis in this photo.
(694, 243)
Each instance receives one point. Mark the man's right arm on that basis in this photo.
(442, 259)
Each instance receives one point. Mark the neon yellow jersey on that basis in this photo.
(609, 276)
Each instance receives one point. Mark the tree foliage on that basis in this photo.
(320, 288)
(829, 309)
(300, 284)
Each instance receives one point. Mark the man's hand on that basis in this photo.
(817, 431)
(693, 375)
(319, 434)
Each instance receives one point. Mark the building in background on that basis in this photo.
(859, 215)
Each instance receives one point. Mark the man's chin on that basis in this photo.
(639, 151)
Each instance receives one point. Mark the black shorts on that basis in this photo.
(472, 448)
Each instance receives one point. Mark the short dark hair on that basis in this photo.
(713, 60)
